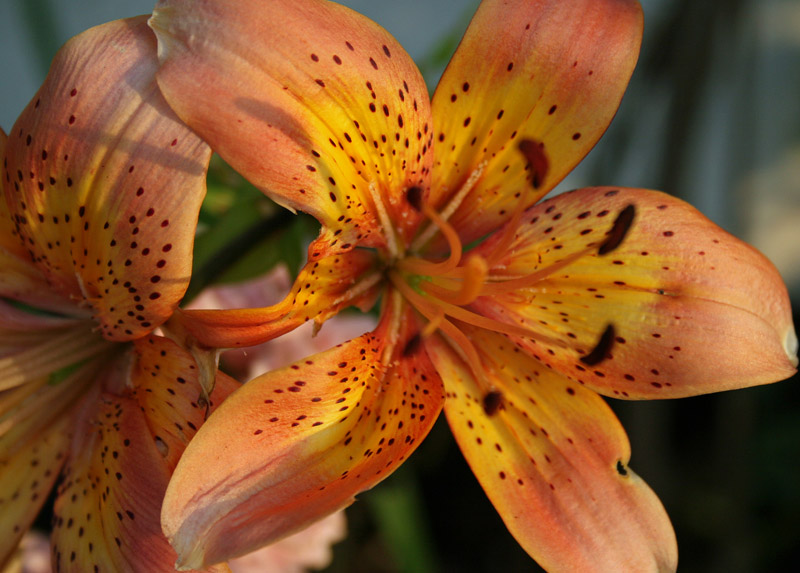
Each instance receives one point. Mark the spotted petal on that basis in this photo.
(553, 460)
(296, 444)
(20, 279)
(9, 242)
(108, 505)
(312, 102)
(530, 90)
(29, 468)
(105, 183)
(36, 421)
(666, 305)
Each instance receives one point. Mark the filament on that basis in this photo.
(451, 207)
(418, 266)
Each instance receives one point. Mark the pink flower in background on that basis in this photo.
(307, 549)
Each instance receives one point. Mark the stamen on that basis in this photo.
(601, 349)
(433, 324)
(534, 152)
(418, 266)
(451, 207)
(527, 281)
(619, 230)
(433, 313)
(500, 249)
(393, 331)
(475, 272)
(386, 223)
(360, 288)
(492, 402)
(615, 236)
(486, 323)
(466, 316)
(414, 197)
(412, 345)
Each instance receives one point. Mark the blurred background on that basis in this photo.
(712, 115)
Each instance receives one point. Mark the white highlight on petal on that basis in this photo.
(790, 345)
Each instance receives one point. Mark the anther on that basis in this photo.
(600, 351)
(412, 345)
(619, 230)
(492, 402)
(414, 197)
(534, 153)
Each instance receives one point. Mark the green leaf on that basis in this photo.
(242, 234)
(400, 513)
(282, 246)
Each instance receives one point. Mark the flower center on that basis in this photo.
(442, 291)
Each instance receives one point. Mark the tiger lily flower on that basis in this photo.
(513, 316)
(101, 187)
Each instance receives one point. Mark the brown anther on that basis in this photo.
(601, 350)
(414, 197)
(619, 230)
(492, 402)
(413, 345)
(534, 152)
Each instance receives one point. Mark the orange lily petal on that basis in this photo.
(315, 104)
(9, 242)
(107, 513)
(17, 324)
(27, 474)
(679, 307)
(322, 289)
(553, 459)
(105, 183)
(35, 433)
(296, 444)
(531, 88)
(20, 279)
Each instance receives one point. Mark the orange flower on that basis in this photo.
(101, 186)
(512, 315)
